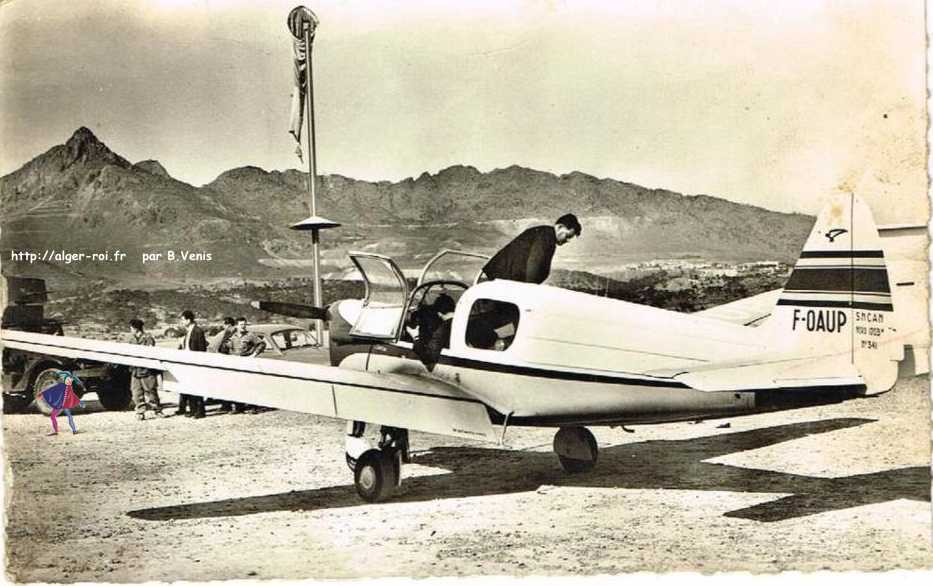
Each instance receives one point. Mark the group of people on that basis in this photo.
(234, 339)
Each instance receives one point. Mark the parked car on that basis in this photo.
(289, 342)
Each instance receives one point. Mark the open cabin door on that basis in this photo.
(454, 265)
(386, 296)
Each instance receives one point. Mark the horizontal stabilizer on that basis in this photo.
(750, 311)
(770, 372)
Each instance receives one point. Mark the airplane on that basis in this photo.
(522, 354)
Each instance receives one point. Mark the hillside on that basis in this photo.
(82, 196)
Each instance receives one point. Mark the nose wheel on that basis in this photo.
(576, 449)
(376, 469)
(377, 475)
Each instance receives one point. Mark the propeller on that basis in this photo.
(292, 309)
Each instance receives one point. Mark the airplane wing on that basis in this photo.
(398, 400)
(751, 311)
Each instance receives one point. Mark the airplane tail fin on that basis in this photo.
(837, 301)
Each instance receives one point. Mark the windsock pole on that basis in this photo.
(312, 186)
(314, 223)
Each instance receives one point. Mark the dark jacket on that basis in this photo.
(196, 341)
(428, 347)
(220, 343)
(527, 258)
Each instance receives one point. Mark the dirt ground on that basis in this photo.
(269, 496)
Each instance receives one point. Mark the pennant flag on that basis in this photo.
(299, 20)
(296, 118)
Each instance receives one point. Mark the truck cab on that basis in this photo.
(25, 374)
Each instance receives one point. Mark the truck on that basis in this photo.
(25, 373)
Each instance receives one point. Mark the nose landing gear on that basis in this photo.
(376, 470)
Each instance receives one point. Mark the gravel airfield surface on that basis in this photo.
(841, 487)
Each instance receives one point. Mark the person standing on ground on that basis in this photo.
(220, 344)
(245, 343)
(195, 341)
(143, 382)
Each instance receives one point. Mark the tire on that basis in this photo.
(16, 403)
(43, 380)
(573, 465)
(376, 476)
(114, 399)
(114, 394)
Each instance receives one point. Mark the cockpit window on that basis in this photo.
(454, 265)
(492, 324)
(427, 302)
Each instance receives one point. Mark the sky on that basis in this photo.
(778, 104)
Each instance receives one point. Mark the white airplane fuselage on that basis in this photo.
(580, 359)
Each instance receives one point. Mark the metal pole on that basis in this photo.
(312, 185)
(309, 92)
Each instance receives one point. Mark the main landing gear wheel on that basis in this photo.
(376, 475)
(576, 449)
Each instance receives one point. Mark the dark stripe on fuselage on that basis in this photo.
(559, 374)
(456, 361)
(842, 254)
(842, 304)
(848, 279)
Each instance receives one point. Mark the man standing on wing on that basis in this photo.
(527, 258)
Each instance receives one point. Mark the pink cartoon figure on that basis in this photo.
(61, 397)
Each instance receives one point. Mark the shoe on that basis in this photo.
(51, 433)
(199, 415)
(188, 414)
(179, 413)
(160, 415)
(141, 416)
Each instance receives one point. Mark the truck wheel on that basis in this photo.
(113, 393)
(44, 380)
(16, 403)
(114, 398)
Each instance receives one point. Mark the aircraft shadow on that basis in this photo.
(656, 464)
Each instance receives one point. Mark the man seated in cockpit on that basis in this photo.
(434, 322)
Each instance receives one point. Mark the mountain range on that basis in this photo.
(82, 196)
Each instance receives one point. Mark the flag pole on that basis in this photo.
(312, 183)
(303, 22)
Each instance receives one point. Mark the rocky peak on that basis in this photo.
(83, 135)
(245, 173)
(84, 146)
(459, 173)
(152, 167)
